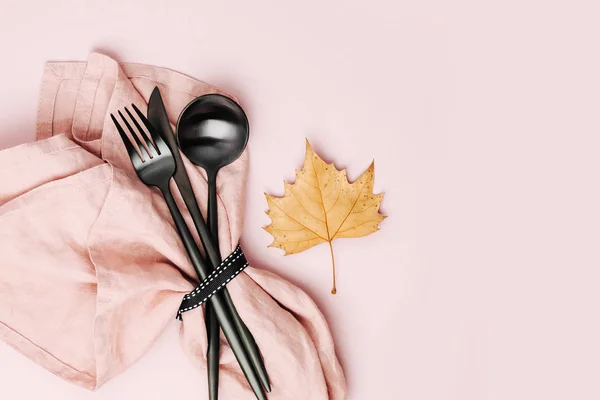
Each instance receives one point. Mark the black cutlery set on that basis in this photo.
(212, 131)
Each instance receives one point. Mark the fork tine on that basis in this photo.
(130, 149)
(143, 151)
(149, 144)
(155, 136)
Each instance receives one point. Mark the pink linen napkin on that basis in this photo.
(93, 269)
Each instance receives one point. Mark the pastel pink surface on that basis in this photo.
(94, 270)
(482, 121)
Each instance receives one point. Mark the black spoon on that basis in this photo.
(212, 132)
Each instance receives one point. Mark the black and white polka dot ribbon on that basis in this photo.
(230, 268)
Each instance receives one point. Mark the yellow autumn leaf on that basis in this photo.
(322, 206)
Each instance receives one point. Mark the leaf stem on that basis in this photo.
(334, 290)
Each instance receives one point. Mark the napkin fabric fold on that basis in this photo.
(93, 269)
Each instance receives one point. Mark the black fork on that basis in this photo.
(155, 165)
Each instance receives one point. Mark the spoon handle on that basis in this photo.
(212, 327)
(212, 220)
(212, 355)
(245, 334)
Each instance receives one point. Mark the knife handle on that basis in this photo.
(245, 334)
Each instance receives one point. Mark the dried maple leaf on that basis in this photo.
(322, 206)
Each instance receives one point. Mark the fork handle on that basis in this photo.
(217, 301)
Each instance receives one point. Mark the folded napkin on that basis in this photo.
(93, 269)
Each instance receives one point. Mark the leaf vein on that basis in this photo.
(303, 206)
(352, 209)
(295, 220)
(356, 226)
(330, 238)
(336, 200)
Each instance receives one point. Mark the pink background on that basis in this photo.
(483, 122)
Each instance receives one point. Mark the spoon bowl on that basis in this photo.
(212, 132)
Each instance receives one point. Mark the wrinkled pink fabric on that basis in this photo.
(93, 270)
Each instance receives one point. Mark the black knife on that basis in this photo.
(157, 114)
(158, 118)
